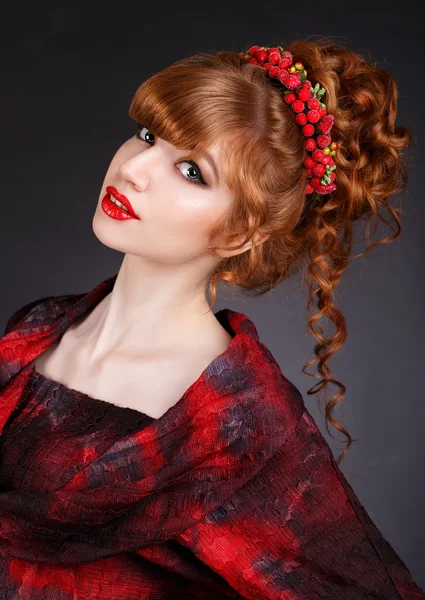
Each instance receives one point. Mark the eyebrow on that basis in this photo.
(212, 164)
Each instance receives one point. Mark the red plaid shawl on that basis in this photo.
(232, 493)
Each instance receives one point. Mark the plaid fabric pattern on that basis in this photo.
(232, 493)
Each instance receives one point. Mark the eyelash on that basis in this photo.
(200, 181)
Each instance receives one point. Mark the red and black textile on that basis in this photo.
(232, 493)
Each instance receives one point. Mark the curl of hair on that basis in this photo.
(207, 97)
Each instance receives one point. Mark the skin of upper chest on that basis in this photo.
(150, 385)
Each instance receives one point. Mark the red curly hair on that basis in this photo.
(208, 96)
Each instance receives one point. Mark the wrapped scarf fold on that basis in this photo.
(236, 472)
(171, 474)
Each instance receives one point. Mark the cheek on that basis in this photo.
(190, 214)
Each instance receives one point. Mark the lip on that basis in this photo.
(112, 191)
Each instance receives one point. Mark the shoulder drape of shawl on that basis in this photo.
(150, 485)
(237, 471)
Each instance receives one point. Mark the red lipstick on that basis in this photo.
(113, 210)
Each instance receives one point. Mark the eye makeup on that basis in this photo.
(199, 181)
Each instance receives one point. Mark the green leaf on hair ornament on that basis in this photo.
(317, 92)
(327, 176)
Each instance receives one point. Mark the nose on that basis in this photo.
(135, 170)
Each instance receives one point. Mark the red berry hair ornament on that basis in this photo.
(311, 116)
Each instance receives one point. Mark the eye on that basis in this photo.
(193, 167)
(146, 136)
(140, 128)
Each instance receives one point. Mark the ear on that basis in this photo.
(258, 239)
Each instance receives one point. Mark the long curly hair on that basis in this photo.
(218, 95)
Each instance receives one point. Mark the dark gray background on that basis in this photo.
(68, 74)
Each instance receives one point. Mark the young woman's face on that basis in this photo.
(177, 201)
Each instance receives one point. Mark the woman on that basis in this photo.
(152, 449)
